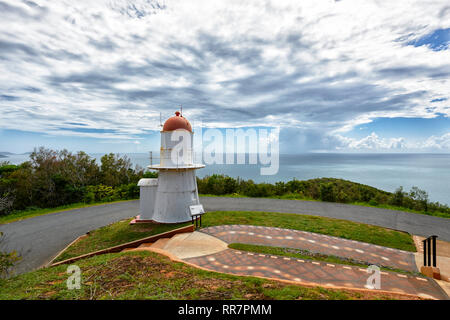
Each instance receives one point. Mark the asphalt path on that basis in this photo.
(40, 238)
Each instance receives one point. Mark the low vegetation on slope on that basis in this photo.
(325, 189)
(147, 275)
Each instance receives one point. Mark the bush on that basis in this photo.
(101, 192)
(7, 260)
(126, 191)
(6, 203)
(327, 192)
(150, 174)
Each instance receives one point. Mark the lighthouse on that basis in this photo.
(169, 198)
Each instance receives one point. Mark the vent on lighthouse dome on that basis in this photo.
(177, 122)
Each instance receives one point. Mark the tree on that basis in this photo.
(420, 196)
(397, 197)
(116, 170)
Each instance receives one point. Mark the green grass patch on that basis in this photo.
(24, 214)
(329, 226)
(115, 234)
(147, 275)
(308, 255)
(294, 196)
(293, 253)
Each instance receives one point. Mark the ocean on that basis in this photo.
(430, 172)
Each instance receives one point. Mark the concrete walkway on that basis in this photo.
(317, 243)
(208, 250)
(315, 273)
(195, 244)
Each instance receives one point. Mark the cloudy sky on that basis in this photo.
(347, 76)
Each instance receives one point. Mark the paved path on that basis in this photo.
(313, 272)
(318, 243)
(40, 238)
(306, 271)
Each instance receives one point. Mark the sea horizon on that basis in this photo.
(385, 171)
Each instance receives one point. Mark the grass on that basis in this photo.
(291, 196)
(147, 275)
(29, 213)
(329, 226)
(122, 232)
(307, 255)
(115, 234)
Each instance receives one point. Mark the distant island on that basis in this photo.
(5, 154)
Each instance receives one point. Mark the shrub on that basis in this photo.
(327, 192)
(150, 174)
(6, 203)
(101, 192)
(7, 260)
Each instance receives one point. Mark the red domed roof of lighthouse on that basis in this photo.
(177, 122)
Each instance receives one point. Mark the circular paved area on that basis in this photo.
(308, 271)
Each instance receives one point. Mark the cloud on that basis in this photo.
(316, 69)
(375, 143)
(440, 143)
(371, 143)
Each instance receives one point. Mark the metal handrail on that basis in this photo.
(429, 248)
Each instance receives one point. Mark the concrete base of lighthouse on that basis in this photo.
(176, 190)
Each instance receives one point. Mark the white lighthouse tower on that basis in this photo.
(168, 198)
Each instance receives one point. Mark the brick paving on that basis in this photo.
(309, 271)
(313, 272)
(314, 242)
